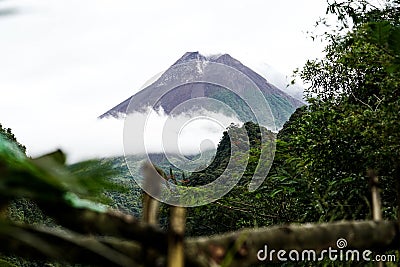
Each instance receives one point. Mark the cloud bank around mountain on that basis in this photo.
(104, 137)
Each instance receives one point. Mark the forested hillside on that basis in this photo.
(336, 166)
(7, 133)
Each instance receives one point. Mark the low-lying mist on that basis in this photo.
(149, 132)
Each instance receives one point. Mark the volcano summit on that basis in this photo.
(183, 83)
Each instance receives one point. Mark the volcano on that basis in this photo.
(187, 81)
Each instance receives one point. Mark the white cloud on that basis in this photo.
(185, 134)
(86, 137)
(64, 63)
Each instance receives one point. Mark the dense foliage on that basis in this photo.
(323, 153)
(352, 123)
(325, 149)
(6, 132)
(239, 208)
(27, 185)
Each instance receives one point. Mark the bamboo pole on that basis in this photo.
(176, 237)
(375, 196)
(376, 201)
(199, 251)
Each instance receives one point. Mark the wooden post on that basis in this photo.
(376, 201)
(175, 237)
(152, 188)
(375, 196)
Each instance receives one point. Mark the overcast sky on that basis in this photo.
(63, 63)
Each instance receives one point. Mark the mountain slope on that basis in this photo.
(224, 154)
(193, 65)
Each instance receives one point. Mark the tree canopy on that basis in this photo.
(319, 174)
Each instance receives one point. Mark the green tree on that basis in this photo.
(7, 132)
(351, 124)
